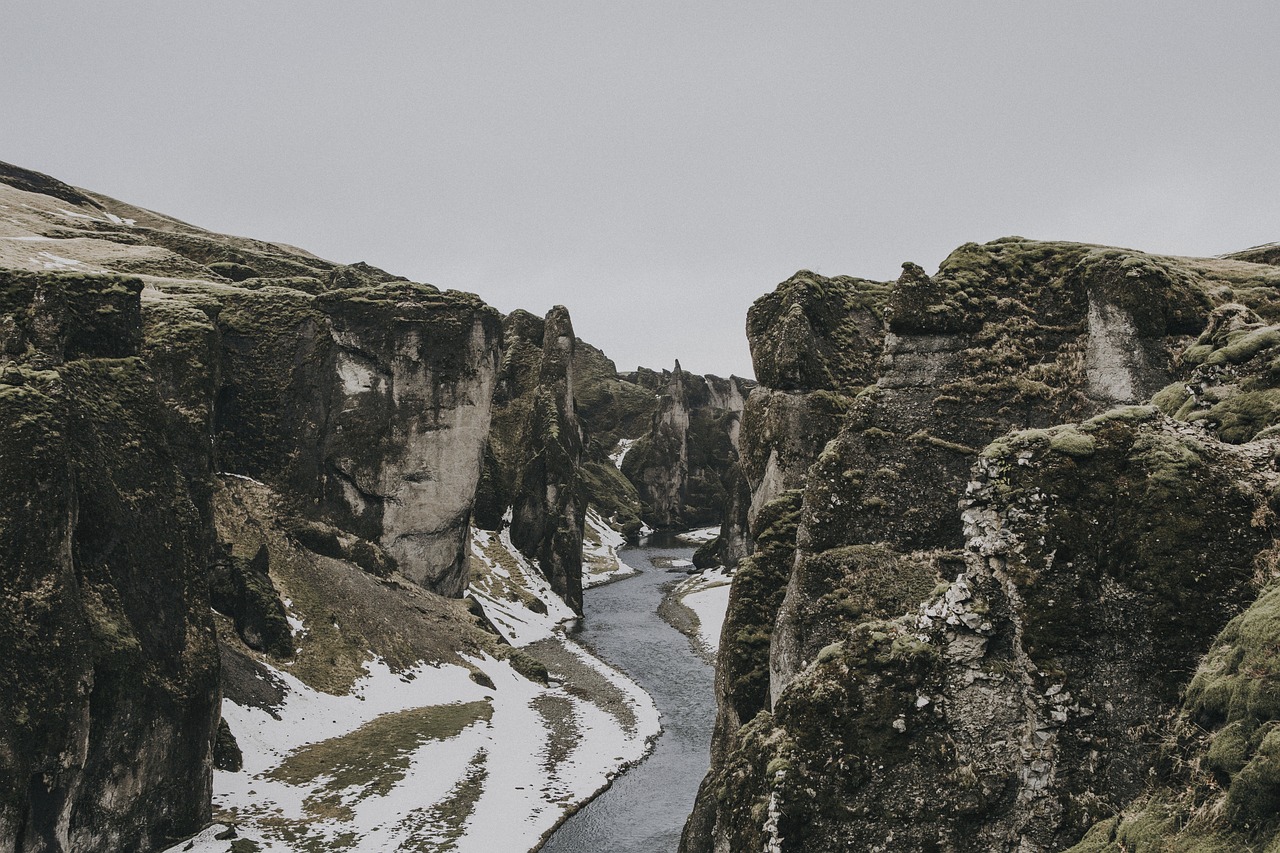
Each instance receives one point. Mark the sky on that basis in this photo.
(657, 166)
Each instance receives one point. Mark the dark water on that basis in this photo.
(646, 808)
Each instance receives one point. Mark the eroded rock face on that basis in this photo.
(1013, 706)
(109, 664)
(532, 477)
(550, 502)
(361, 398)
(370, 408)
(680, 468)
(411, 422)
(935, 686)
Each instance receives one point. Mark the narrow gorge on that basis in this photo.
(301, 556)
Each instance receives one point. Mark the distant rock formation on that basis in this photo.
(681, 466)
(535, 449)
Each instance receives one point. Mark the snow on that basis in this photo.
(498, 784)
(520, 798)
(620, 452)
(600, 561)
(697, 537)
(50, 261)
(204, 842)
(707, 595)
(517, 624)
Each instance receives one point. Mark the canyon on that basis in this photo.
(292, 549)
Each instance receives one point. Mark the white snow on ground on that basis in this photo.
(620, 452)
(496, 778)
(204, 842)
(50, 261)
(506, 572)
(697, 537)
(707, 595)
(600, 544)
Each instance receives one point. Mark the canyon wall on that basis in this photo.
(110, 672)
(681, 466)
(148, 365)
(968, 624)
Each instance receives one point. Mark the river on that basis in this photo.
(645, 809)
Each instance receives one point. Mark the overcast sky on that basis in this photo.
(658, 166)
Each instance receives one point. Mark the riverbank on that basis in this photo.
(644, 809)
(696, 607)
(481, 751)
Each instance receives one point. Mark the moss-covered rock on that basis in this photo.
(1218, 785)
(1135, 543)
(241, 588)
(814, 332)
(107, 537)
(681, 468)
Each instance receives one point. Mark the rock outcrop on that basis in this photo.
(368, 406)
(681, 466)
(140, 356)
(109, 664)
(532, 477)
(987, 616)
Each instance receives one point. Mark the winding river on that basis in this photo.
(645, 809)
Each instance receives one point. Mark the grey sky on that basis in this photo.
(657, 166)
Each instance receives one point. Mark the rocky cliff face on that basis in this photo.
(360, 399)
(681, 466)
(110, 666)
(532, 478)
(368, 406)
(813, 341)
(986, 617)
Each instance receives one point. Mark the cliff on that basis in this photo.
(682, 466)
(110, 667)
(239, 470)
(532, 476)
(981, 601)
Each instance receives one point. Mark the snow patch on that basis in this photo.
(620, 451)
(50, 261)
(600, 561)
(699, 536)
(707, 595)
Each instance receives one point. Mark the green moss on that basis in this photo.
(1241, 417)
(1253, 802)
(1239, 679)
(1171, 398)
(528, 666)
(1072, 443)
(758, 588)
(817, 333)
(829, 652)
(925, 437)
(1229, 748)
(1244, 345)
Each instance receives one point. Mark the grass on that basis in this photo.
(374, 757)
